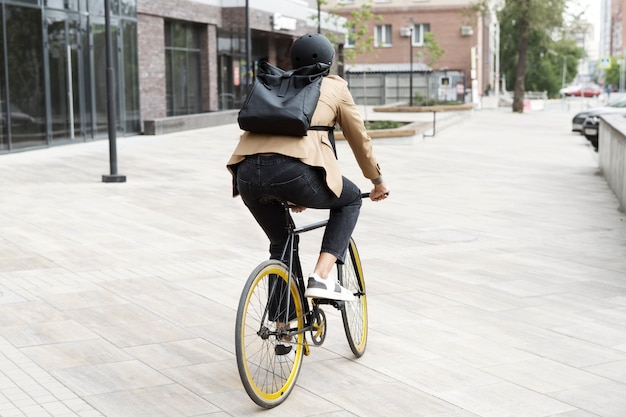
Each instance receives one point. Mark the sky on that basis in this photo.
(592, 15)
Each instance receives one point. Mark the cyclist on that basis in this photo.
(268, 169)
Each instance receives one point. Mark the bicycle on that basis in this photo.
(273, 318)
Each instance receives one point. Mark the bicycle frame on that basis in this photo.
(291, 258)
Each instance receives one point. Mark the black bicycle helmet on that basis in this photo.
(310, 49)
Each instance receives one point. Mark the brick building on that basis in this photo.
(465, 36)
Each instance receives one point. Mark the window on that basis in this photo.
(350, 38)
(382, 36)
(182, 68)
(419, 29)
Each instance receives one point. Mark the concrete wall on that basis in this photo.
(612, 154)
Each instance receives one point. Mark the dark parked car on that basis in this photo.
(590, 129)
(577, 121)
(591, 125)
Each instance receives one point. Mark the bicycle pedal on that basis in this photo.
(338, 304)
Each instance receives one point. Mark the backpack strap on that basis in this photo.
(331, 135)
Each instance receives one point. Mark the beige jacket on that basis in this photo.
(335, 105)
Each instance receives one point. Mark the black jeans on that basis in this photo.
(264, 179)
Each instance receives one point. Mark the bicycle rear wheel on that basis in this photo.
(266, 320)
(354, 313)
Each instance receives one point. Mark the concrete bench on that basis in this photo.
(172, 124)
(424, 109)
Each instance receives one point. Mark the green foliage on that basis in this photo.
(420, 100)
(383, 124)
(546, 66)
(357, 25)
(378, 125)
(547, 46)
(432, 52)
(612, 75)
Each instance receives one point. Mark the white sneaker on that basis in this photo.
(326, 288)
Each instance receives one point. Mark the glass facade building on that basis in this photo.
(53, 71)
(170, 60)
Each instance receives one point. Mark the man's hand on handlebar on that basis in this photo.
(379, 192)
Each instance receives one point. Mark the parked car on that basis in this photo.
(591, 124)
(579, 118)
(588, 90)
(590, 129)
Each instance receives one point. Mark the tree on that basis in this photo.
(529, 30)
(522, 54)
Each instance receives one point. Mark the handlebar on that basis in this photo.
(290, 205)
(366, 195)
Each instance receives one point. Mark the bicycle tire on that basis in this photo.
(268, 377)
(354, 313)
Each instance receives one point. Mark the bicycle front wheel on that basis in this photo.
(354, 313)
(268, 349)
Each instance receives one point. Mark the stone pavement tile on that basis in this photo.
(46, 332)
(541, 316)
(182, 307)
(8, 296)
(24, 383)
(390, 398)
(345, 375)
(109, 377)
(575, 413)
(573, 352)
(220, 333)
(604, 399)
(301, 403)
(79, 298)
(111, 315)
(179, 353)
(215, 286)
(615, 371)
(145, 282)
(135, 333)
(544, 375)
(478, 352)
(505, 400)
(435, 375)
(159, 401)
(27, 313)
(75, 354)
(605, 334)
(207, 378)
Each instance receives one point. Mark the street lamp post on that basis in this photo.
(319, 16)
(113, 176)
(411, 28)
(248, 48)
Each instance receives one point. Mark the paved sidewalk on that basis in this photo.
(496, 278)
